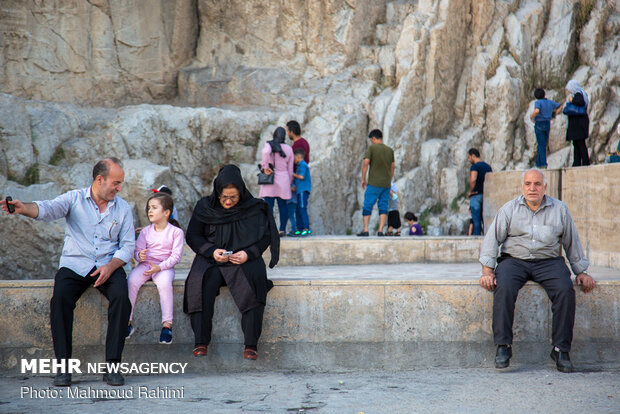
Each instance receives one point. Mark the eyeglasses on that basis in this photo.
(226, 198)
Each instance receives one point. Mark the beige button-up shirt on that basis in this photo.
(528, 235)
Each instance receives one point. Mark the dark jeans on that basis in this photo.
(282, 209)
(301, 213)
(68, 287)
(580, 153)
(554, 277)
(475, 206)
(202, 322)
(541, 129)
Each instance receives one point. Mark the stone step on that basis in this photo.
(343, 250)
(331, 318)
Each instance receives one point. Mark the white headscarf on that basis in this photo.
(573, 87)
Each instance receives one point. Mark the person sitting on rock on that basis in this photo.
(530, 232)
(99, 241)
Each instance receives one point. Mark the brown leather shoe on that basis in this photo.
(250, 353)
(200, 350)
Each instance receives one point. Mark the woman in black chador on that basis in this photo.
(230, 220)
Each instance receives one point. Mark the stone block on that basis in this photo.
(593, 202)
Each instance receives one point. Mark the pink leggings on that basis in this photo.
(163, 281)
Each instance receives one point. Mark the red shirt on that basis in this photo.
(302, 143)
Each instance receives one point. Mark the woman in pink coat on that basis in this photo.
(278, 159)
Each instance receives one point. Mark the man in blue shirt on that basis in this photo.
(99, 240)
(544, 109)
(477, 172)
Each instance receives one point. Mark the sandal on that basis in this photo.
(397, 234)
(250, 353)
(200, 350)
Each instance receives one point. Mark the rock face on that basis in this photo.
(437, 76)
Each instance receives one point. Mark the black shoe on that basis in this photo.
(362, 234)
(114, 378)
(562, 360)
(380, 234)
(502, 356)
(62, 380)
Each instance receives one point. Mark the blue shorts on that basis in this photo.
(371, 196)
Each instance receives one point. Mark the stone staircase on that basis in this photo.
(339, 303)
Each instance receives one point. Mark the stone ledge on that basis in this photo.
(352, 250)
(309, 324)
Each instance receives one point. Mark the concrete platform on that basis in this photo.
(332, 318)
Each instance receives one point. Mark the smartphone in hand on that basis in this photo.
(11, 207)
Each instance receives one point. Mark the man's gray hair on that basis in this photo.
(102, 168)
(538, 170)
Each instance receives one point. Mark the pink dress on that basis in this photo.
(281, 186)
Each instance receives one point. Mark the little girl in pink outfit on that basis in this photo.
(158, 248)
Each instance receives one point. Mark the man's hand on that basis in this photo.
(104, 272)
(586, 282)
(154, 269)
(488, 280)
(363, 183)
(25, 209)
(217, 255)
(239, 258)
(142, 255)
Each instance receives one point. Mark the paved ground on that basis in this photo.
(405, 271)
(525, 389)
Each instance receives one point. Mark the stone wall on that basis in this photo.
(325, 325)
(591, 196)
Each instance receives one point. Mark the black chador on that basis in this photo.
(247, 226)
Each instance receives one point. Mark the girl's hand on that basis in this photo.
(239, 258)
(142, 255)
(154, 269)
(217, 255)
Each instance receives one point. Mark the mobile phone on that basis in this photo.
(226, 253)
(11, 207)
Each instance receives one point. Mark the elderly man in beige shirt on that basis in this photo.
(530, 232)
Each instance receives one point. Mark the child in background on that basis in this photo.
(414, 228)
(544, 110)
(303, 185)
(393, 214)
(291, 205)
(158, 249)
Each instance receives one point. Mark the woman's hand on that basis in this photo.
(217, 255)
(239, 258)
(268, 171)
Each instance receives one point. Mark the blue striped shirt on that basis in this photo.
(92, 238)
